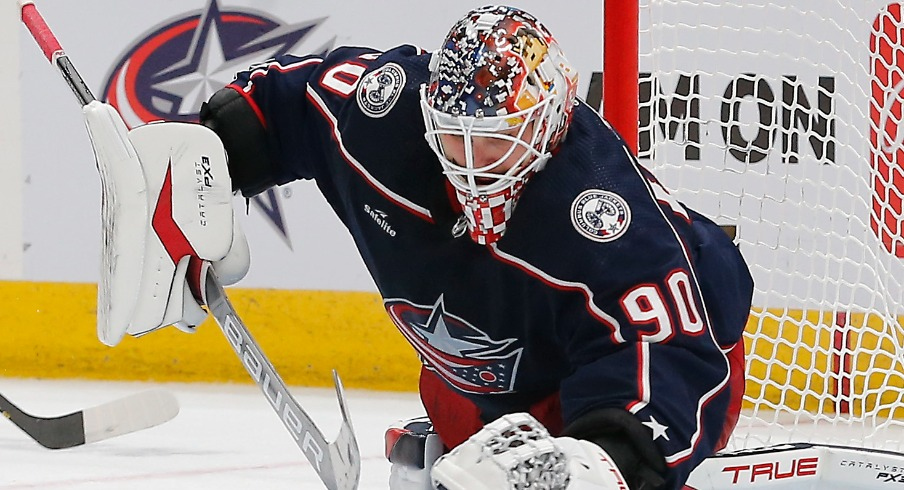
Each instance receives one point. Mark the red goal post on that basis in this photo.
(784, 120)
(620, 85)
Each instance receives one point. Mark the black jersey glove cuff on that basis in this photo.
(230, 116)
(628, 443)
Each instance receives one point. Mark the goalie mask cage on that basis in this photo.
(782, 119)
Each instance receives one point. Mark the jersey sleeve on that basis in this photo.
(300, 100)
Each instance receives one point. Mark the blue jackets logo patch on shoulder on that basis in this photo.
(380, 89)
(601, 216)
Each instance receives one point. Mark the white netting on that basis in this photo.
(782, 118)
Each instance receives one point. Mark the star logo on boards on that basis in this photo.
(175, 65)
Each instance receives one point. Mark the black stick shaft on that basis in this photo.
(53, 50)
(52, 432)
(75, 81)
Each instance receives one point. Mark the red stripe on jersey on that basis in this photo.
(643, 379)
(251, 103)
(419, 211)
(561, 285)
(672, 460)
(736, 384)
(262, 70)
(246, 90)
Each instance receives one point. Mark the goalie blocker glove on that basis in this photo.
(516, 452)
(167, 216)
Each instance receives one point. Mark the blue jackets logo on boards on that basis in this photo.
(175, 66)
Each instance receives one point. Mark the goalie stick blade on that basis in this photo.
(345, 448)
(111, 419)
(130, 414)
(337, 463)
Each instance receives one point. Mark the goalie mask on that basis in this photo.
(498, 102)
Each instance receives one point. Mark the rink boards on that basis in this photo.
(49, 333)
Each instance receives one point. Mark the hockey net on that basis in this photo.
(782, 119)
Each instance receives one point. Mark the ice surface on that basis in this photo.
(225, 437)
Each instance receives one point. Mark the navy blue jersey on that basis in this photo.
(604, 289)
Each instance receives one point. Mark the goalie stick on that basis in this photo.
(129, 414)
(338, 463)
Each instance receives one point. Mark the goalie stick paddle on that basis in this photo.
(129, 414)
(338, 463)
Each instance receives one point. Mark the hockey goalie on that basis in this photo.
(579, 328)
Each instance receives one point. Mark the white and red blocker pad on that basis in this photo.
(167, 202)
(800, 467)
